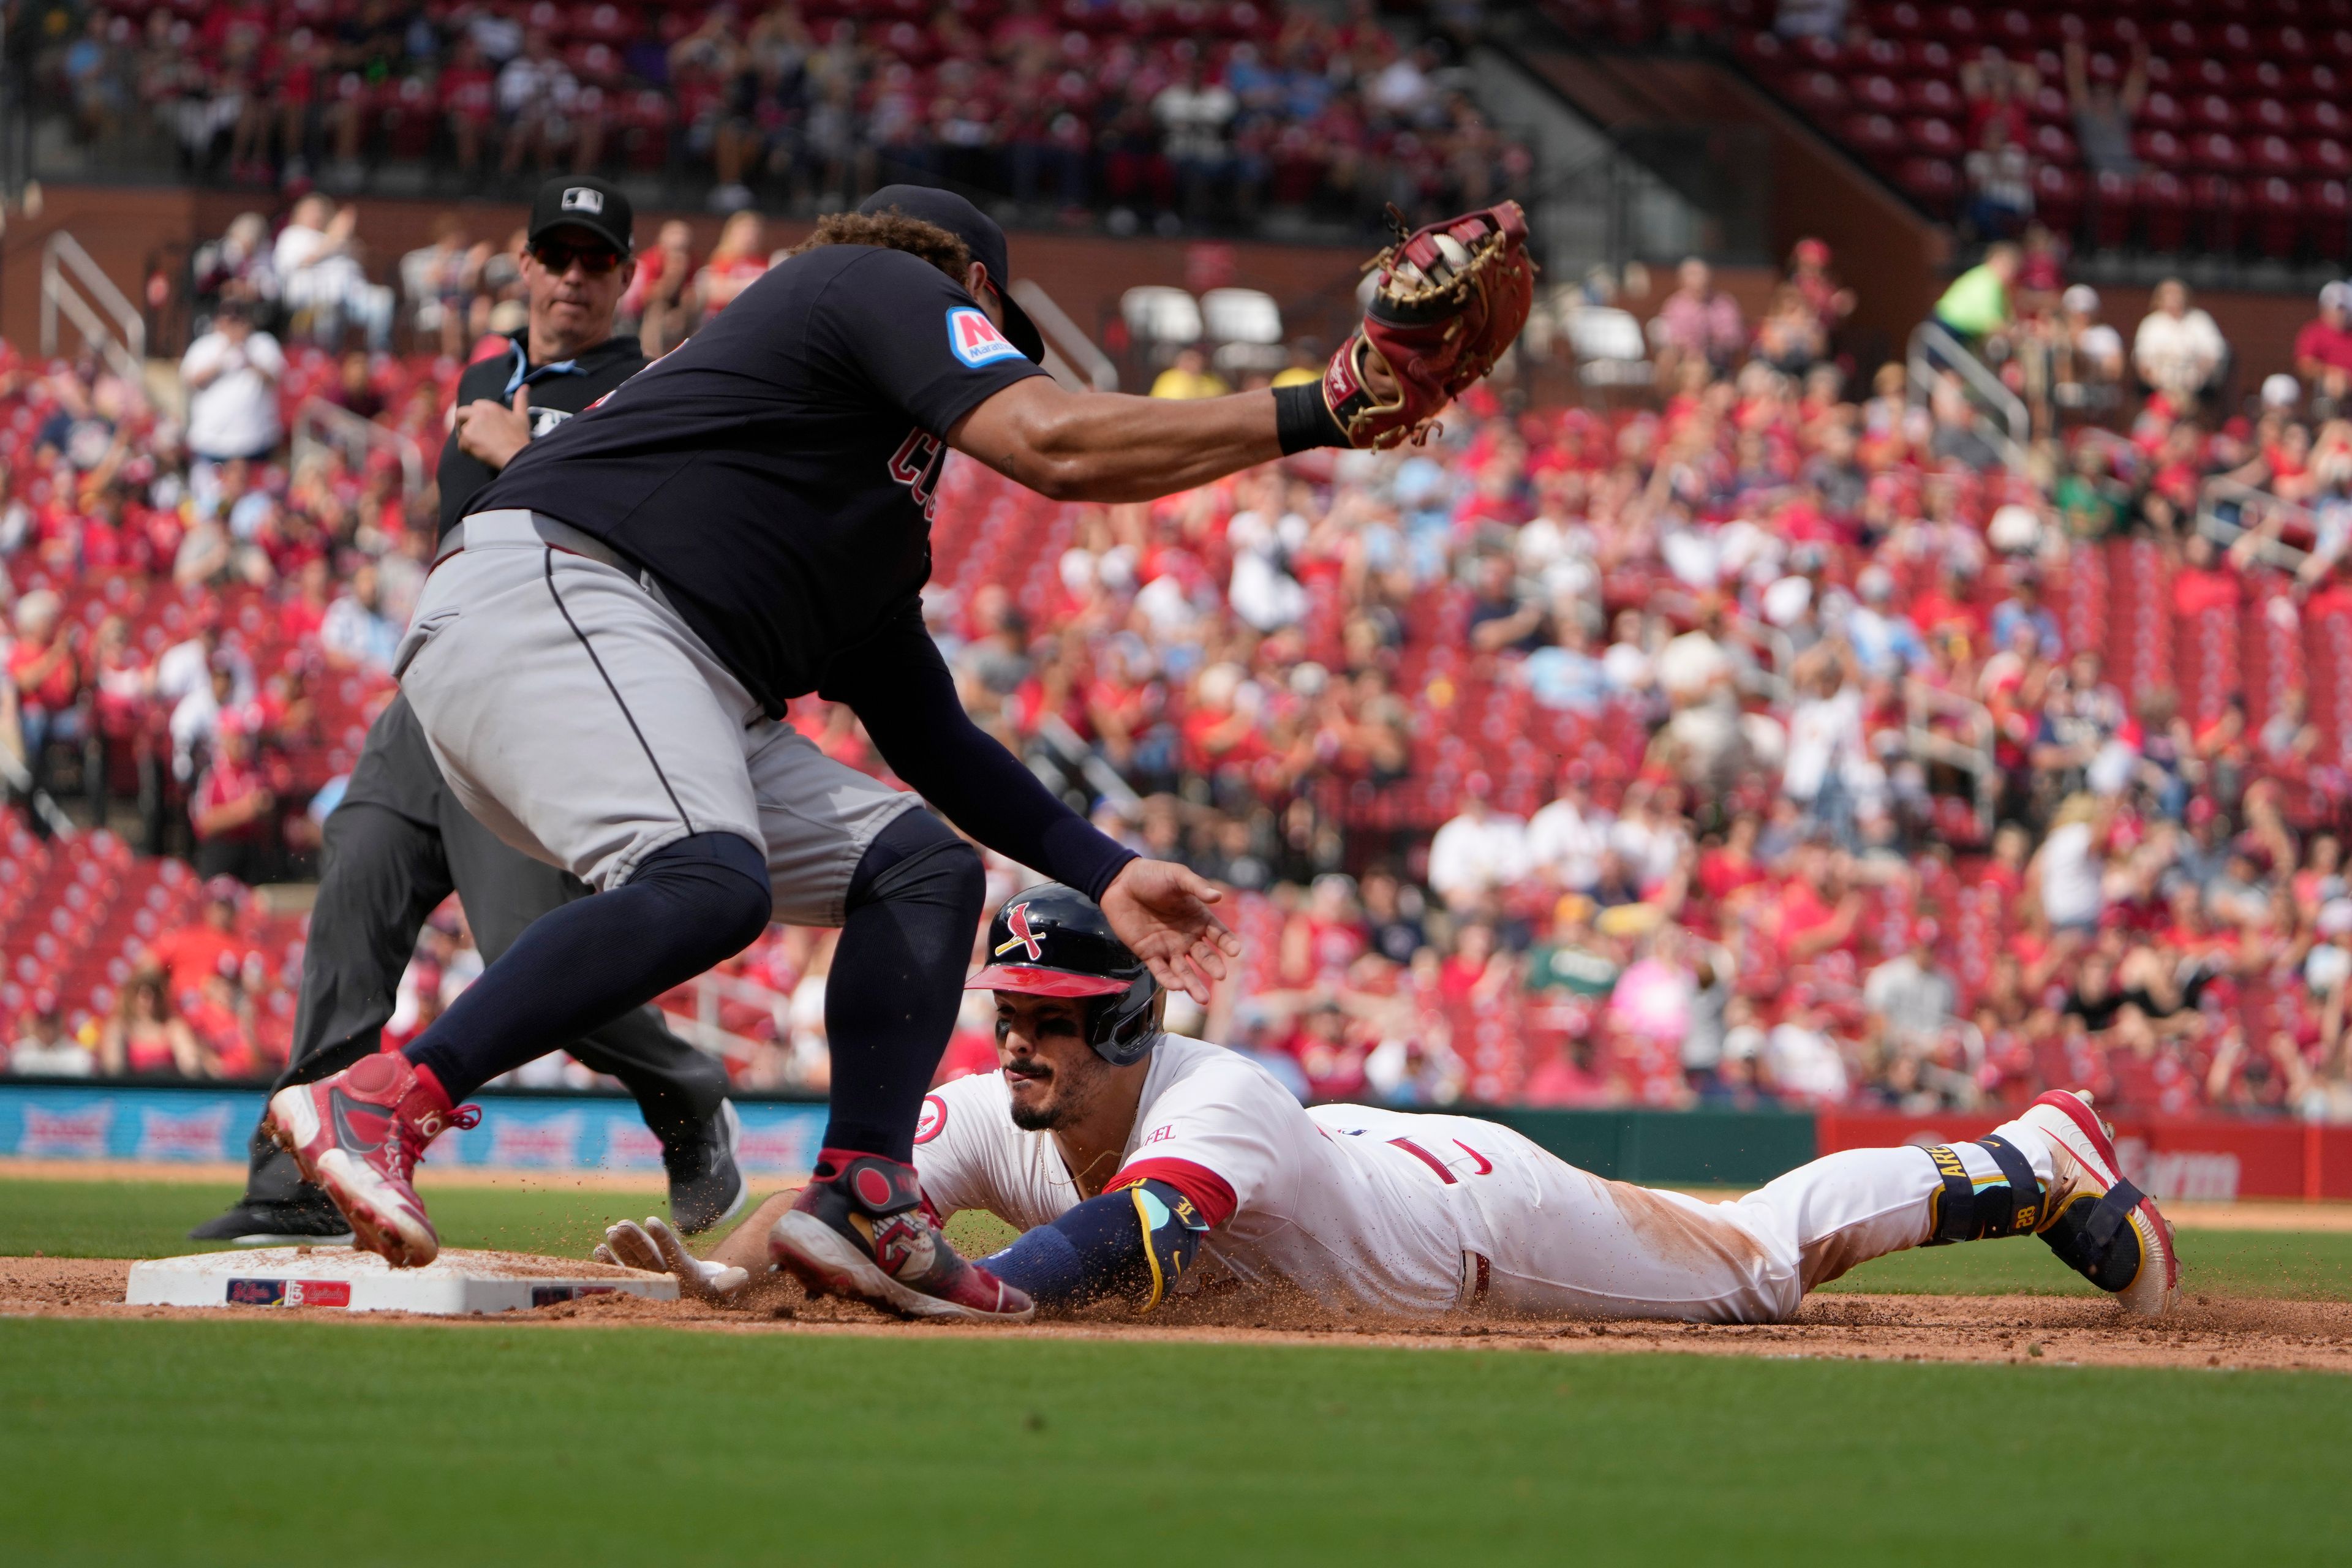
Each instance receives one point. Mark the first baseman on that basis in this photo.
(1140, 1165)
(601, 658)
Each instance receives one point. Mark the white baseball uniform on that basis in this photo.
(1383, 1212)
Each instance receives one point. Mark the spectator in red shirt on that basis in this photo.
(221, 1018)
(740, 260)
(657, 296)
(146, 1037)
(468, 103)
(187, 956)
(2323, 351)
(46, 674)
(122, 694)
(234, 811)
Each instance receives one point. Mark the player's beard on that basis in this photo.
(1065, 1102)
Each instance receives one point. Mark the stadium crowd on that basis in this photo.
(1171, 112)
(1792, 736)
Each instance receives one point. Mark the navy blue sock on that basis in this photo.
(690, 905)
(896, 980)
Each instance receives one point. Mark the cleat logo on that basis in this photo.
(1016, 921)
(872, 1188)
(350, 1117)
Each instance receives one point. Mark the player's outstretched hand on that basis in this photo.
(656, 1248)
(1162, 911)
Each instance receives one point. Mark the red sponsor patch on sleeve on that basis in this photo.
(934, 1119)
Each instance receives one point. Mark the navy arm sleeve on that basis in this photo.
(900, 687)
(1136, 1242)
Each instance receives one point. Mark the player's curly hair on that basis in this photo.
(892, 230)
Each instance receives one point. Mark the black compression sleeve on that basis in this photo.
(1136, 1242)
(909, 703)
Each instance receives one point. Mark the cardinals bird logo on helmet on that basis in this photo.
(1054, 940)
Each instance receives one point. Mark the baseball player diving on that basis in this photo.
(1141, 1165)
(397, 843)
(602, 657)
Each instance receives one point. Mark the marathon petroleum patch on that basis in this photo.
(974, 340)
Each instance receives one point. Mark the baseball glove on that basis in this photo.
(1451, 298)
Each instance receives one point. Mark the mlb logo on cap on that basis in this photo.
(584, 199)
(976, 340)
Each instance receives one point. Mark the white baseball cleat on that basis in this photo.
(2098, 1224)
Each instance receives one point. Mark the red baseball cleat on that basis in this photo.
(359, 1134)
(860, 1229)
(2099, 1225)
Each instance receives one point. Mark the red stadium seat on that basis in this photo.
(2274, 155)
(1883, 55)
(1933, 182)
(1820, 93)
(2215, 154)
(1875, 94)
(2162, 111)
(1817, 54)
(1933, 95)
(2219, 201)
(2058, 197)
(1957, 24)
(2159, 149)
(1901, 20)
(2203, 74)
(2211, 111)
(2278, 212)
(2326, 156)
(1878, 139)
(2269, 117)
(2051, 144)
(1935, 138)
(2322, 117)
(1930, 57)
(2163, 206)
(2327, 216)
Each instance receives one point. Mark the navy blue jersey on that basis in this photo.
(776, 473)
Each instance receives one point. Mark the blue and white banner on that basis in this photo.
(40, 1121)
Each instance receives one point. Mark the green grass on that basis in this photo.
(151, 1219)
(237, 1442)
(145, 1442)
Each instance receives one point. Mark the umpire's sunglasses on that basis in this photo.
(557, 255)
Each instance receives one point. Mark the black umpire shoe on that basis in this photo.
(705, 1186)
(252, 1223)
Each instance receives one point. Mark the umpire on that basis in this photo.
(399, 842)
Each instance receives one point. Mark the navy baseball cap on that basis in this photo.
(980, 236)
(583, 201)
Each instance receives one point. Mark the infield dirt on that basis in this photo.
(2203, 1331)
